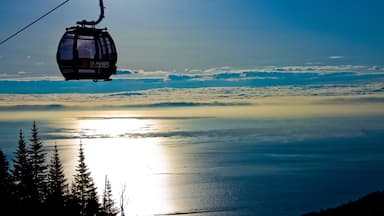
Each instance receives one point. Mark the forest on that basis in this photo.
(35, 186)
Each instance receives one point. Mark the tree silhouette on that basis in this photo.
(33, 188)
(38, 166)
(108, 205)
(5, 178)
(56, 184)
(5, 183)
(83, 188)
(22, 175)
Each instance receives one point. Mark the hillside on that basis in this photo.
(369, 205)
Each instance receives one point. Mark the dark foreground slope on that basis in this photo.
(369, 205)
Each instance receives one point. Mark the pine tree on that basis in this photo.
(83, 188)
(5, 181)
(56, 183)
(38, 166)
(21, 172)
(4, 171)
(108, 205)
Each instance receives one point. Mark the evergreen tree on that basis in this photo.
(38, 166)
(83, 188)
(4, 171)
(108, 205)
(56, 183)
(21, 172)
(5, 182)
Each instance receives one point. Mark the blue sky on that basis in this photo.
(179, 35)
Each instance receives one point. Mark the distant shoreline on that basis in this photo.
(371, 204)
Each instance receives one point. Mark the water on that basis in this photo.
(213, 164)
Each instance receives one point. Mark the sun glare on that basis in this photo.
(112, 127)
(136, 163)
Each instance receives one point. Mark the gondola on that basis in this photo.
(86, 52)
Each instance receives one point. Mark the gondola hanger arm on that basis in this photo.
(93, 23)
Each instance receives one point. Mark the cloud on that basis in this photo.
(49, 107)
(227, 75)
(217, 69)
(313, 63)
(129, 80)
(126, 94)
(278, 76)
(69, 96)
(175, 77)
(354, 100)
(336, 57)
(76, 105)
(376, 68)
(4, 75)
(191, 104)
(126, 71)
(217, 73)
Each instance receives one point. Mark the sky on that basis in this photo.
(186, 35)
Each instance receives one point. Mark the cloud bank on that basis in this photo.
(223, 86)
(131, 80)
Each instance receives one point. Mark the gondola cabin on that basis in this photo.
(86, 53)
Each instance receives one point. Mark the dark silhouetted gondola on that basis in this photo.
(86, 52)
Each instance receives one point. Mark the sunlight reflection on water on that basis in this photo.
(136, 163)
(112, 127)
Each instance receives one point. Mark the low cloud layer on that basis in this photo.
(198, 97)
(127, 81)
(348, 84)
